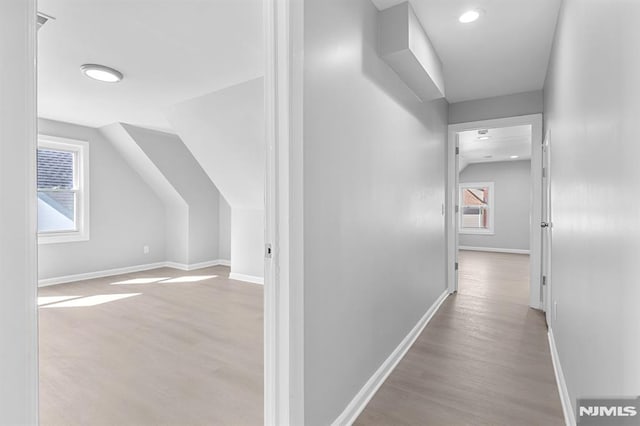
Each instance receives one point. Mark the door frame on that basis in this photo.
(283, 296)
(283, 290)
(18, 230)
(547, 217)
(535, 236)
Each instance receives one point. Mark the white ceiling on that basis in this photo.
(174, 50)
(501, 145)
(169, 51)
(506, 51)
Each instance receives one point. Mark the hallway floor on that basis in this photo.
(482, 360)
(155, 347)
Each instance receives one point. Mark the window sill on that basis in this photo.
(468, 232)
(62, 237)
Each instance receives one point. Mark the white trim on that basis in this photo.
(362, 398)
(535, 236)
(495, 250)
(127, 270)
(565, 399)
(199, 265)
(284, 277)
(18, 246)
(246, 278)
(81, 184)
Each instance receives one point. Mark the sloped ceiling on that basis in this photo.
(168, 50)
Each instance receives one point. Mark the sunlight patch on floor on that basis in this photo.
(141, 280)
(91, 300)
(45, 300)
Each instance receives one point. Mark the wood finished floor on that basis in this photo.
(482, 360)
(179, 353)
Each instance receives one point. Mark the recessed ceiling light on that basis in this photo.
(469, 16)
(101, 73)
(483, 138)
(513, 157)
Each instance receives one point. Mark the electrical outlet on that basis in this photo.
(145, 249)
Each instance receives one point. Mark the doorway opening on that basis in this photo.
(151, 211)
(495, 206)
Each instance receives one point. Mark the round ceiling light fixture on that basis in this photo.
(483, 134)
(101, 73)
(513, 157)
(469, 16)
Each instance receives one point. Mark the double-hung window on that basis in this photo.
(63, 190)
(476, 208)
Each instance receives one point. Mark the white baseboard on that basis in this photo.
(99, 274)
(246, 278)
(362, 398)
(127, 270)
(495, 250)
(567, 407)
(199, 265)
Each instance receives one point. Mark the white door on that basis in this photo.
(546, 229)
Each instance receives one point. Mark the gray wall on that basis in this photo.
(374, 168)
(125, 214)
(18, 312)
(247, 242)
(224, 231)
(512, 200)
(178, 165)
(591, 110)
(498, 107)
(225, 132)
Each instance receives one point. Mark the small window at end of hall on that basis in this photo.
(476, 208)
(63, 190)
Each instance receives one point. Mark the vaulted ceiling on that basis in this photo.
(169, 51)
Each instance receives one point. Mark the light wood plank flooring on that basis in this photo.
(482, 360)
(187, 351)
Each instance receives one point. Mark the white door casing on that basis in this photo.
(535, 121)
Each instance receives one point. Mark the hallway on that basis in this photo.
(483, 359)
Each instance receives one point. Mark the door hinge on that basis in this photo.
(456, 266)
(457, 150)
(544, 280)
(457, 208)
(544, 172)
(268, 253)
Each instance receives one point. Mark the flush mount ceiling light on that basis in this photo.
(101, 73)
(469, 16)
(513, 157)
(483, 134)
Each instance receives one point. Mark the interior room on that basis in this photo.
(150, 161)
(494, 221)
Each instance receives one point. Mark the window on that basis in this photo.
(63, 190)
(476, 208)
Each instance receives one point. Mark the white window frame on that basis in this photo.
(81, 187)
(491, 204)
